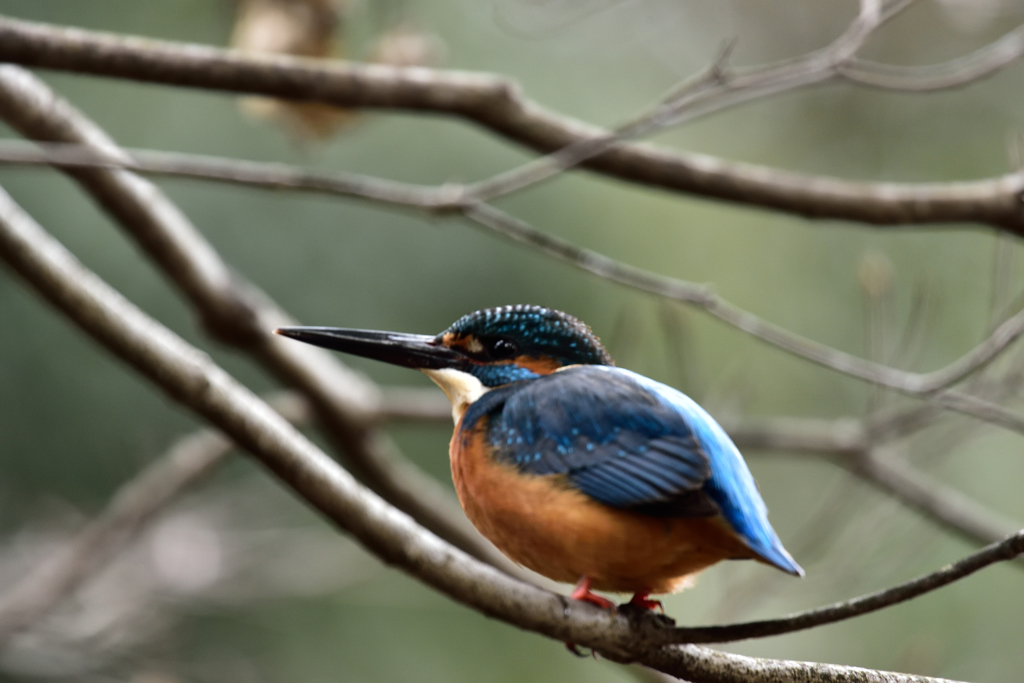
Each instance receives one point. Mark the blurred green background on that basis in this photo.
(75, 424)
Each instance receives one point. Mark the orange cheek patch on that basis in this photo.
(541, 366)
(468, 343)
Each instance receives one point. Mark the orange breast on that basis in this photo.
(543, 524)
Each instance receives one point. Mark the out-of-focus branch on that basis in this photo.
(415, 405)
(850, 444)
(955, 73)
(931, 385)
(716, 89)
(134, 505)
(278, 176)
(497, 103)
(838, 437)
(236, 312)
(191, 378)
(900, 203)
(944, 504)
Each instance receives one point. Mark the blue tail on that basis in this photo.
(731, 485)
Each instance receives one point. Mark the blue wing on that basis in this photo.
(629, 442)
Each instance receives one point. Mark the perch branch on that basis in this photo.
(1009, 548)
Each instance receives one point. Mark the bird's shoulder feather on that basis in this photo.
(608, 435)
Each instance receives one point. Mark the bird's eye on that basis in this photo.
(502, 348)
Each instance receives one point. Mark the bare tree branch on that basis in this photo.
(956, 73)
(942, 503)
(239, 314)
(134, 505)
(849, 443)
(497, 104)
(836, 437)
(702, 296)
(700, 665)
(279, 176)
(194, 380)
(236, 312)
(713, 91)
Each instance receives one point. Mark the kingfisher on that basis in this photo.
(575, 468)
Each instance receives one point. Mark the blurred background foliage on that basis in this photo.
(244, 584)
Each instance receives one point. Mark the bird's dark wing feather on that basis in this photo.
(609, 436)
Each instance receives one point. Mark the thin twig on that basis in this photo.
(712, 91)
(955, 73)
(838, 437)
(497, 104)
(898, 203)
(914, 384)
(279, 176)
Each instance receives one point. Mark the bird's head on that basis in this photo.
(479, 351)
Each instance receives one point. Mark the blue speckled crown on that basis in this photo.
(538, 331)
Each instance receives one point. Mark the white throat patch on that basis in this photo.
(461, 388)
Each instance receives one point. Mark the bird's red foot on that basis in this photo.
(640, 600)
(582, 592)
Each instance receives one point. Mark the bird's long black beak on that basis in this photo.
(418, 351)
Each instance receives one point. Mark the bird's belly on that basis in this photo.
(545, 525)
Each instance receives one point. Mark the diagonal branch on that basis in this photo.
(280, 176)
(944, 504)
(134, 505)
(985, 201)
(236, 312)
(851, 444)
(192, 379)
(715, 90)
(930, 385)
(497, 104)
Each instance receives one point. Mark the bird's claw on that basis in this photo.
(583, 592)
(641, 600)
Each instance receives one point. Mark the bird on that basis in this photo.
(575, 468)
